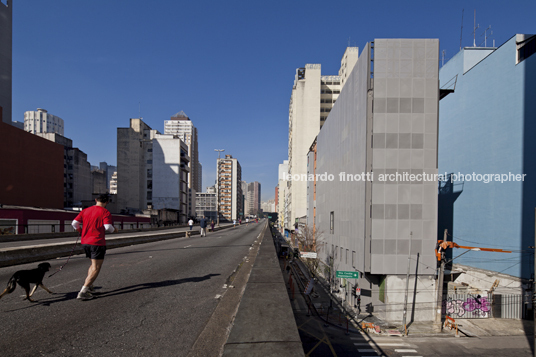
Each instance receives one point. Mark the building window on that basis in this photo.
(332, 222)
(149, 173)
(149, 162)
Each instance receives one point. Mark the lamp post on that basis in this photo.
(218, 190)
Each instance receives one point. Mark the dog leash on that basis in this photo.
(72, 251)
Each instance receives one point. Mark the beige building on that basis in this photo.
(229, 188)
(181, 126)
(313, 96)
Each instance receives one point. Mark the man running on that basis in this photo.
(95, 221)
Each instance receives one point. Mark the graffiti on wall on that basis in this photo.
(468, 307)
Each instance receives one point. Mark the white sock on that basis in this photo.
(84, 289)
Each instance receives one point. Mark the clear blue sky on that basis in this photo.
(229, 65)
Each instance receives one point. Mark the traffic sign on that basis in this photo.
(347, 274)
(358, 291)
(308, 255)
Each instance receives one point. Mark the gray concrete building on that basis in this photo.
(254, 197)
(152, 170)
(82, 183)
(206, 205)
(6, 58)
(373, 202)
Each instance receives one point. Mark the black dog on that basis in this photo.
(26, 277)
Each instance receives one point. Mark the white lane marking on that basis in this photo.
(55, 286)
(188, 246)
(383, 344)
(218, 296)
(225, 286)
(406, 351)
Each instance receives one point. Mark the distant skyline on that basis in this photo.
(228, 65)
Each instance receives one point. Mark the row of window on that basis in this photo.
(329, 91)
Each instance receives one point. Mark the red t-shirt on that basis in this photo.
(93, 220)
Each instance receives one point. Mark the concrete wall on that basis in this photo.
(166, 177)
(6, 59)
(486, 127)
(131, 165)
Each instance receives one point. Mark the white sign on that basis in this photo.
(358, 291)
(308, 255)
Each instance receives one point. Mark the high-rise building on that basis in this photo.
(181, 126)
(245, 197)
(152, 170)
(254, 197)
(313, 96)
(39, 121)
(282, 194)
(6, 58)
(229, 188)
(374, 201)
(109, 170)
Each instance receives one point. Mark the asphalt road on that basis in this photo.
(153, 299)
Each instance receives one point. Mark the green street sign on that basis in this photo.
(347, 274)
(269, 216)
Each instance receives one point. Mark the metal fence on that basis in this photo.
(472, 306)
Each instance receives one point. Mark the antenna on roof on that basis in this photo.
(461, 31)
(475, 27)
(443, 57)
(485, 34)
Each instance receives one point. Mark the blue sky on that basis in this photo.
(229, 65)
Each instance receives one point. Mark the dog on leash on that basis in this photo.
(26, 277)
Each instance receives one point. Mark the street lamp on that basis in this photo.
(218, 190)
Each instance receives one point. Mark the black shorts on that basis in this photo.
(94, 251)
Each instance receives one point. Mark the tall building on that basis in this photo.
(313, 96)
(109, 171)
(152, 170)
(39, 121)
(170, 174)
(229, 188)
(282, 194)
(245, 197)
(374, 201)
(181, 126)
(6, 58)
(254, 197)
(486, 140)
(113, 184)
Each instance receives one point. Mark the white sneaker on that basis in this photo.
(85, 296)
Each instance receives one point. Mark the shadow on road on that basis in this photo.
(59, 297)
(133, 288)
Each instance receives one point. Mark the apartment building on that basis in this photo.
(229, 188)
(312, 98)
(152, 170)
(40, 121)
(181, 126)
(254, 197)
(207, 204)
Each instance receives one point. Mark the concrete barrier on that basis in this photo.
(40, 252)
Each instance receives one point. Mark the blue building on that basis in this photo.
(487, 129)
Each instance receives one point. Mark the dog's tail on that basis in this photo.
(11, 285)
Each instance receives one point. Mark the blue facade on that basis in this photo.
(485, 127)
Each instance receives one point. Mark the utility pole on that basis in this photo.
(439, 303)
(407, 284)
